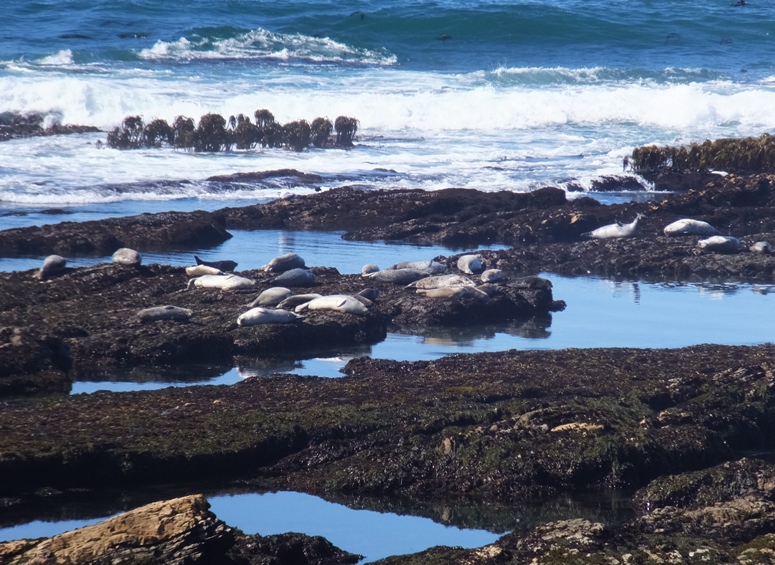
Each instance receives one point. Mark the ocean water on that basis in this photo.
(465, 93)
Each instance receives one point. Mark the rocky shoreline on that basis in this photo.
(486, 427)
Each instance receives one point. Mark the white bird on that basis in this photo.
(615, 230)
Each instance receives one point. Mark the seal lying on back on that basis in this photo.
(470, 264)
(225, 265)
(53, 265)
(126, 256)
(295, 277)
(223, 282)
(284, 263)
(720, 244)
(259, 316)
(163, 313)
(615, 230)
(687, 226)
(337, 302)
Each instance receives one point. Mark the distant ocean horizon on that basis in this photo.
(471, 94)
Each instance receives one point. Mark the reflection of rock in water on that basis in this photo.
(257, 367)
(762, 289)
(534, 328)
(155, 374)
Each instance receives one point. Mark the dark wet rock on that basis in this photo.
(295, 177)
(489, 426)
(33, 362)
(14, 125)
(103, 237)
(172, 532)
(616, 183)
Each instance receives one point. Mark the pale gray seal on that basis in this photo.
(687, 226)
(429, 267)
(168, 312)
(284, 263)
(761, 247)
(440, 281)
(453, 292)
(223, 282)
(295, 277)
(225, 265)
(370, 268)
(398, 276)
(259, 316)
(615, 230)
(271, 296)
(471, 264)
(200, 270)
(52, 265)
(369, 293)
(720, 244)
(128, 257)
(336, 302)
(492, 276)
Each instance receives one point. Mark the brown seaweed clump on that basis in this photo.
(345, 131)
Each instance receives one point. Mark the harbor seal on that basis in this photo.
(294, 300)
(441, 281)
(720, 244)
(687, 226)
(295, 277)
(284, 263)
(430, 267)
(615, 230)
(224, 265)
(52, 265)
(223, 282)
(398, 276)
(271, 296)
(200, 270)
(471, 264)
(492, 276)
(128, 257)
(453, 292)
(370, 268)
(369, 293)
(168, 312)
(336, 302)
(259, 316)
(761, 247)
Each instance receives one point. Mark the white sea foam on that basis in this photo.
(263, 44)
(61, 58)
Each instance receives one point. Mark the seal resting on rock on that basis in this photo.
(200, 270)
(687, 226)
(369, 293)
(225, 265)
(128, 257)
(168, 312)
(398, 276)
(293, 301)
(492, 276)
(370, 268)
(471, 264)
(615, 230)
(295, 277)
(259, 316)
(453, 292)
(272, 296)
(53, 265)
(223, 282)
(429, 267)
(336, 302)
(761, 247)
(720, 244)
(284, 263)
(440, 281)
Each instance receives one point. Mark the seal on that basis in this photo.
(200, 270)
(271, 296)
(369, 293)
(492, 276)
(259, 316)
(454, 292)
(128, 257)
(168, 312)
(615, 230)
(225, 265)
(687, 226)
(471, 264)
(429, 267)
(441, 281)
(398, 276)
(292, 301)
(720, 244)
(284, 263)
(223, 282)
(335, 302)
(53, 265)
(761, 247)
(370, 268)
(295, 277)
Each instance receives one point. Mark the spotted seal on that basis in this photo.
(52, 265)
(615, 230)
(687, 226)
(761, 247)
(168, 312)
(284, 263)
(200, 270)
(470, 264)
(295, 277)
(720, 244)
(259, 316)
(271, 296)
(336, 302)
(128, 257)
(223, 282)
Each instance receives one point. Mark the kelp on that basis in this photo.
(740, 156)
(214, 133)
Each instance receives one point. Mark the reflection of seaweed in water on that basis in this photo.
(608, 506)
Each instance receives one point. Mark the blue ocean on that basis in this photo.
(473, 94)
